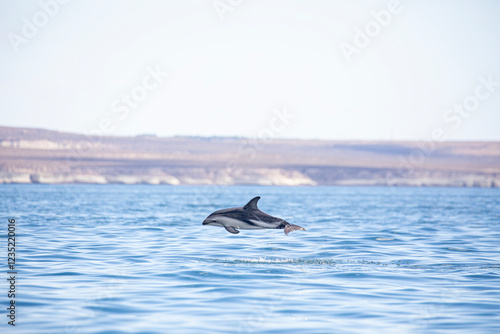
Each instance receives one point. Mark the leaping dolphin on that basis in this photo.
(248, 217)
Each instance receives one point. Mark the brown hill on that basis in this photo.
(44, 156)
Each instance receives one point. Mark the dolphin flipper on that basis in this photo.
(290, 228)
(231, 229)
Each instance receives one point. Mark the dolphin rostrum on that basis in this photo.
(248, 217)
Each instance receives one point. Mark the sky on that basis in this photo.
(309, 69)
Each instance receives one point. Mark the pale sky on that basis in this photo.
(362, 70)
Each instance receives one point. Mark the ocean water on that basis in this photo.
(136, 259)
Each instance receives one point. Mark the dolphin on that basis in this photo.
(248, 217)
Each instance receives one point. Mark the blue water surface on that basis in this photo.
(136, 259)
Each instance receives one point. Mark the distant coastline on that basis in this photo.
(45, 156)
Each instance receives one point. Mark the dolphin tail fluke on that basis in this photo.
(290, 228)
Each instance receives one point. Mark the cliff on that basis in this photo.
(44, 156)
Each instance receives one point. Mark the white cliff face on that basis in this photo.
(15, 178)
(51, 178)
(35, 144)
(280, 177)
(257, 176)
(43, 144)
(262, 176)
(142, 179)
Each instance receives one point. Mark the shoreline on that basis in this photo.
(51, 157)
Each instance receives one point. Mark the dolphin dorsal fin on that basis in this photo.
(252, 205)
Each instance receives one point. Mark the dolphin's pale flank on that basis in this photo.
(248, 217)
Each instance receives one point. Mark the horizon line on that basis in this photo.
(153, 135)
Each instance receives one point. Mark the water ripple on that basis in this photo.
(136, 259)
